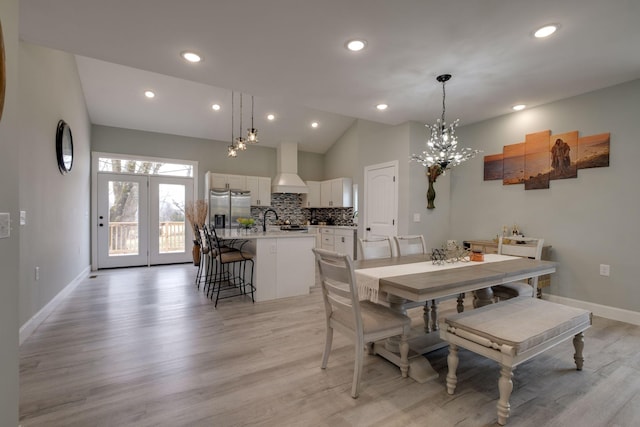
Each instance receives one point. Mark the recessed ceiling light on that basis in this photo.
(382, 107)
(314, 125)
(356, 45)
(546, 31)
(149, 94)
(215, 107)
(271, 117)
(191, 56)
(518, 107)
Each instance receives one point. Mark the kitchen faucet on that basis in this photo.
(264, 218)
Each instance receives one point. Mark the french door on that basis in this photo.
(141, 220)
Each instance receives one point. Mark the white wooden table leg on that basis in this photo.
(505, 386)
(452, 362)
(404, 356)
(578, 345)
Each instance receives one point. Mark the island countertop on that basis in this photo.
(236, 233)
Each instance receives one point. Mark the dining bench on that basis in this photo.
(512, 332)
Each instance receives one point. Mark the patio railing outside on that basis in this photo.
(123, 237)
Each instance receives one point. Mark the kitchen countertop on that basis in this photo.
(343, 227)
(236, 233)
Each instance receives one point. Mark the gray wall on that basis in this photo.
(590, 220)
(9, 202)
(368, 143)
(56, 235)
(211, 155)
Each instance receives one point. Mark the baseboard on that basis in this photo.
(30, 325)
(605, 311)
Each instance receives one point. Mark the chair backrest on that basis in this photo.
(531, 248)
(379, 247)
(410, 244)
(339, 290)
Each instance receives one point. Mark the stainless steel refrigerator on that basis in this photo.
(226, 206)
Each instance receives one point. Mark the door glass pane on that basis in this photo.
(123, 218)
(171, 218)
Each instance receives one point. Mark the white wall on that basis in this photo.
(56, 235)
(9, 196)
(590, 220)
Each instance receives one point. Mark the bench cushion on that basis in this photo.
(521, 323)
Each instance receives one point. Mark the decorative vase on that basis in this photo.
(196, 255)
(431, 196)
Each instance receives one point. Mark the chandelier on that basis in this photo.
(239, 143)
(442, 151)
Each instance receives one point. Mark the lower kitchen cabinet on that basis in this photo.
(342, 240)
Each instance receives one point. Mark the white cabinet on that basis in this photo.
(340, 240)
(344, 242)
(233, 182)
(312, 198)
(327, 239)
(260, 188)
(336, 193)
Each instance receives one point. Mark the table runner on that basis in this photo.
(368, 279)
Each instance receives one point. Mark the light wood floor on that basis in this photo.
(144, 347)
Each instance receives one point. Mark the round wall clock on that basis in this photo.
(64, 147)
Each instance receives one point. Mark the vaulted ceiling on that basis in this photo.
(290, 55)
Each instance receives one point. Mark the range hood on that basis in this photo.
(287, 179)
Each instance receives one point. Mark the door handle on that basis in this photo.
(101, 225)
(368, 228)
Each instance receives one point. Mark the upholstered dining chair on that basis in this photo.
(362, 321)
(531, 247)
(378, 247)
(410, 244)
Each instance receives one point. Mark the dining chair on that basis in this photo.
(374, 248)
(529, 247)
(410, 244)
(362, 321)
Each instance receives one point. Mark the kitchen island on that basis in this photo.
(284, 262)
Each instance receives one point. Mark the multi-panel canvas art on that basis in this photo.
(544, 157)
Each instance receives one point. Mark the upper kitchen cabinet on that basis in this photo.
(312, 198)
(232, 182)
(336, 193)
(260, 188)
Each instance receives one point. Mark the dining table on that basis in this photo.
(416, 278)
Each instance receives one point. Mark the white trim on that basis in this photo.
(392, 164)
(600, 310)
(30, 325)
(95, 156)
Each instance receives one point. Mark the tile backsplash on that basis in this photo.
(289, 207)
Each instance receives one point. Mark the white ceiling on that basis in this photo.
(290, 55)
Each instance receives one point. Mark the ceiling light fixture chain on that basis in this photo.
(252, 134)
(239, 143)
(232, 149)
(442, 149)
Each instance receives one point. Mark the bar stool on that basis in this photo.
(229, 274)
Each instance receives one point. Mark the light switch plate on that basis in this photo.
(416, 217)
(5, 219)
(23, 217)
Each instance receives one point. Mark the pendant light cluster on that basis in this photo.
(239, 143)
(442, 151)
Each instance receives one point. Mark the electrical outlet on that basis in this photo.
(416, 217)
(605, 269)
(23, 217)
(37, 273)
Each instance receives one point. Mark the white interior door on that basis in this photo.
(170, 236)
(381, 200)
(123, 218)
